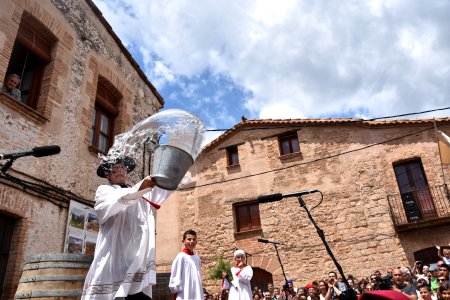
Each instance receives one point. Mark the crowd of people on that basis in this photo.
(421, 282)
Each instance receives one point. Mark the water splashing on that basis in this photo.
(173, 127)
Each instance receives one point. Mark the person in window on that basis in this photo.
(124, 260)
(10, 86)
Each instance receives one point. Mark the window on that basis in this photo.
(247, 216)
(31, 54)
(416, 196)
(105, 112)
(232, 156)
(289, 144)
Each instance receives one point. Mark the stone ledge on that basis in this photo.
(23, 109)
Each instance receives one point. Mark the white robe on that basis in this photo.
(186, 277)
(124, 260)
(240, 285)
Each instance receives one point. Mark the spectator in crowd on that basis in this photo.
(335, 286)
(277, 294)
(267, 295)
(323, 289)
(288, 290)
(270, 288)
(10, 86)
(433, 278)
(389, 272)
(444, 292)
(417, 268)
(442, 279)
(398, 279)
(445, 269)
(425, 293)
(311, 291)
(444, 254)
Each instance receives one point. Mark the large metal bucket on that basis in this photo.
(169, 166)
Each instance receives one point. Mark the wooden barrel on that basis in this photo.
(53, 276)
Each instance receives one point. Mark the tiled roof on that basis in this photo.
(274, 123)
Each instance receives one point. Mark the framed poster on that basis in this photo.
(82, 229)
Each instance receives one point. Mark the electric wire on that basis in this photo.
(341, 122)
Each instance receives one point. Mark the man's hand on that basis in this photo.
(148, 182)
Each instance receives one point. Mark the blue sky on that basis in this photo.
(224, 59)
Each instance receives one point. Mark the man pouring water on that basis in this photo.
(124, 262)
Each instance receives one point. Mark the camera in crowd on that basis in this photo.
(384, 283)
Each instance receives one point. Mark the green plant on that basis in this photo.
(221, 266)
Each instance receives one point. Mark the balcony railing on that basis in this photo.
(420, 206)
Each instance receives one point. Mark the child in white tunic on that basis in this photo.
(186, 278)
(242, 274)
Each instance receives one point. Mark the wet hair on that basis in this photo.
(191, 232)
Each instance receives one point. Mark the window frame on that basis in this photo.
(253, 215)
(106, 102)
(292, 140)
(232, 156)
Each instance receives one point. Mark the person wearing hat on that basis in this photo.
(242, 274)
(124, 260)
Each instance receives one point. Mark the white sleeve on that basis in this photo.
(157, 195)
(246, 274)
(176, 275)
(109, 201)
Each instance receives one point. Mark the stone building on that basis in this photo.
(385, 201)
(79, 87)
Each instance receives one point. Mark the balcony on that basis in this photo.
(420, 208)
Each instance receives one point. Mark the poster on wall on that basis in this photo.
(82, 229)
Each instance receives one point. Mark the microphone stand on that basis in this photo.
(351, 292)
(281, 264)
(7, 165)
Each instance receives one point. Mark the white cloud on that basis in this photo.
(298, 58)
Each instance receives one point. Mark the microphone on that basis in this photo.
(279, 196)
(267, 241)
(36, 152)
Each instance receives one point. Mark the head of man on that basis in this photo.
(332, 278)
(445, 269)
(398, 278)
(442, 279)
(270, 287)
(116, 170)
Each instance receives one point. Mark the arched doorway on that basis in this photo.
(260, 279)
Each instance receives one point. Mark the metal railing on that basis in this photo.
(420, 205)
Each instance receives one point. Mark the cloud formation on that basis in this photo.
(289, 59)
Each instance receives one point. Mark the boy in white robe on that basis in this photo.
(124, 260)
(242, 274)
(186, 278)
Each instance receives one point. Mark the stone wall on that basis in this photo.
(354, 213)
(85, 50)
